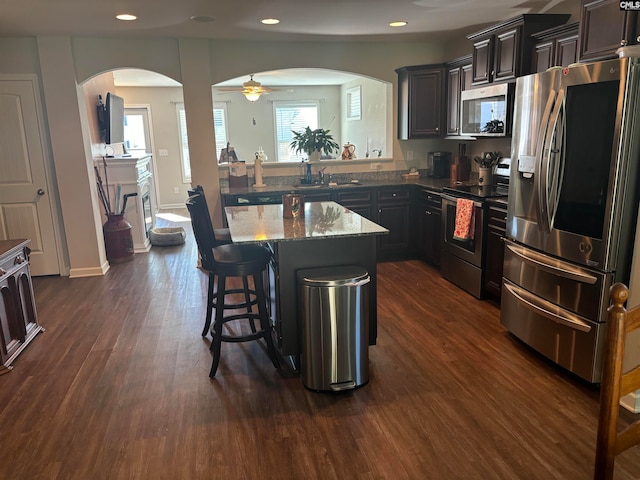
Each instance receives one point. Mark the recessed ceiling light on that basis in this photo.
(270, 21)
(126, 17)
(202, 18)
(400, 23)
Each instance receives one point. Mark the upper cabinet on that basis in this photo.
(502, 52)
(604, 28)
(420, 96)
(555, 47)
(458, 79)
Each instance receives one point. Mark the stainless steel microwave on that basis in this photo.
(486, 111)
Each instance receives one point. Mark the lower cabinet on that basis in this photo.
(394, 213)
(18, 317)
(496, 230)
(429, 215)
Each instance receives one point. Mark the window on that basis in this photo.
(293, 117)
(184, 144)
(354, 104)
(220, 126)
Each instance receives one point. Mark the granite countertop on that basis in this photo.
(430, 183)
(265, 223)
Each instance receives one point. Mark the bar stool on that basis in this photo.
(226, 261)
(221, 236)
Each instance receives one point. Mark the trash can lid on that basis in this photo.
(333, 276)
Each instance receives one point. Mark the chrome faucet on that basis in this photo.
(321, 175)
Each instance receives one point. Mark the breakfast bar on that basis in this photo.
(327, 235)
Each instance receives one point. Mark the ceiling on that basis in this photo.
(343, 20)
(300, 20)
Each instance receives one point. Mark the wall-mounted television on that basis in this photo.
(115, 115)
(113, 119)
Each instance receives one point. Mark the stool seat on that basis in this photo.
(239, 260)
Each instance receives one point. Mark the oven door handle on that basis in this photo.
(548, 309)
(454, 200)
(561, 269)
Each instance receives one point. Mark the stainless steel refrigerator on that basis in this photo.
(573, 206)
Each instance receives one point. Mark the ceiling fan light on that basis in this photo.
(252, 96)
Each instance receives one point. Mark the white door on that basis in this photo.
(25, 200)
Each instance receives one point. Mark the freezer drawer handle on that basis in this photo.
(544, 308)
(562, 269)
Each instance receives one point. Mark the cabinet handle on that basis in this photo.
(394, 194)
(19, 259)
(623, 43)
(428, 212)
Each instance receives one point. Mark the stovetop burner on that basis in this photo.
(478, 191)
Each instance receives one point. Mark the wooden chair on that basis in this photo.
(222, 262)
(221, 236)
(616, 384)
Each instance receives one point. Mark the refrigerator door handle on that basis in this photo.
(545, 153)
(548, 309)
(561, 269)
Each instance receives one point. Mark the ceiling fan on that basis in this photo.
(252, 90)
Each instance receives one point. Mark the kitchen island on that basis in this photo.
(328, 235)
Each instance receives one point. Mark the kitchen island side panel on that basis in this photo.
(326, 252)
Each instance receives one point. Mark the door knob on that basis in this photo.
(41, 192)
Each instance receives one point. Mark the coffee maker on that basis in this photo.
(438, 164)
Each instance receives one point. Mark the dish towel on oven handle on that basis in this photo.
(465, 220)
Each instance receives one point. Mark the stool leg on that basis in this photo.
(207, 322)
(217, 326)
(247, 299)
(265, 322)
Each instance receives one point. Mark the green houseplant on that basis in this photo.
(313, 142)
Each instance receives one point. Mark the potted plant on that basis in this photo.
(313, 142)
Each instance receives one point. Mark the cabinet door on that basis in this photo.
(425, 104)
(495, 251)
(453, 100)
(567, 51)
(482, 61)
(604, 28)
(395, 218)
(420, 97)
(430, 237)
(507, 48)
(11, 331)
(543, 55)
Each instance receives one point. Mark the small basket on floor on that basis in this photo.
(167, 236)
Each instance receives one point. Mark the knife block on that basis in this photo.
(461, 168)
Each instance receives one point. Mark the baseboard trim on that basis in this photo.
(631, 402)
(89, 272)
(171, 206)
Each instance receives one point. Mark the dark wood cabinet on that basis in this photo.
(18, 317)
(429, 216)
(555, 47)
(358, 200)
(459, 77)
(503, 51)
(394, 213)
(496, 229)
(604, 28)
(420, 96)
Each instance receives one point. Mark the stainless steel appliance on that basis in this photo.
(463, 261)
(572, 207)
(486, 111)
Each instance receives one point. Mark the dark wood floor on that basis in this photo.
(118, 388)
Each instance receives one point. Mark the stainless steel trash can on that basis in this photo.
(334, 317)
